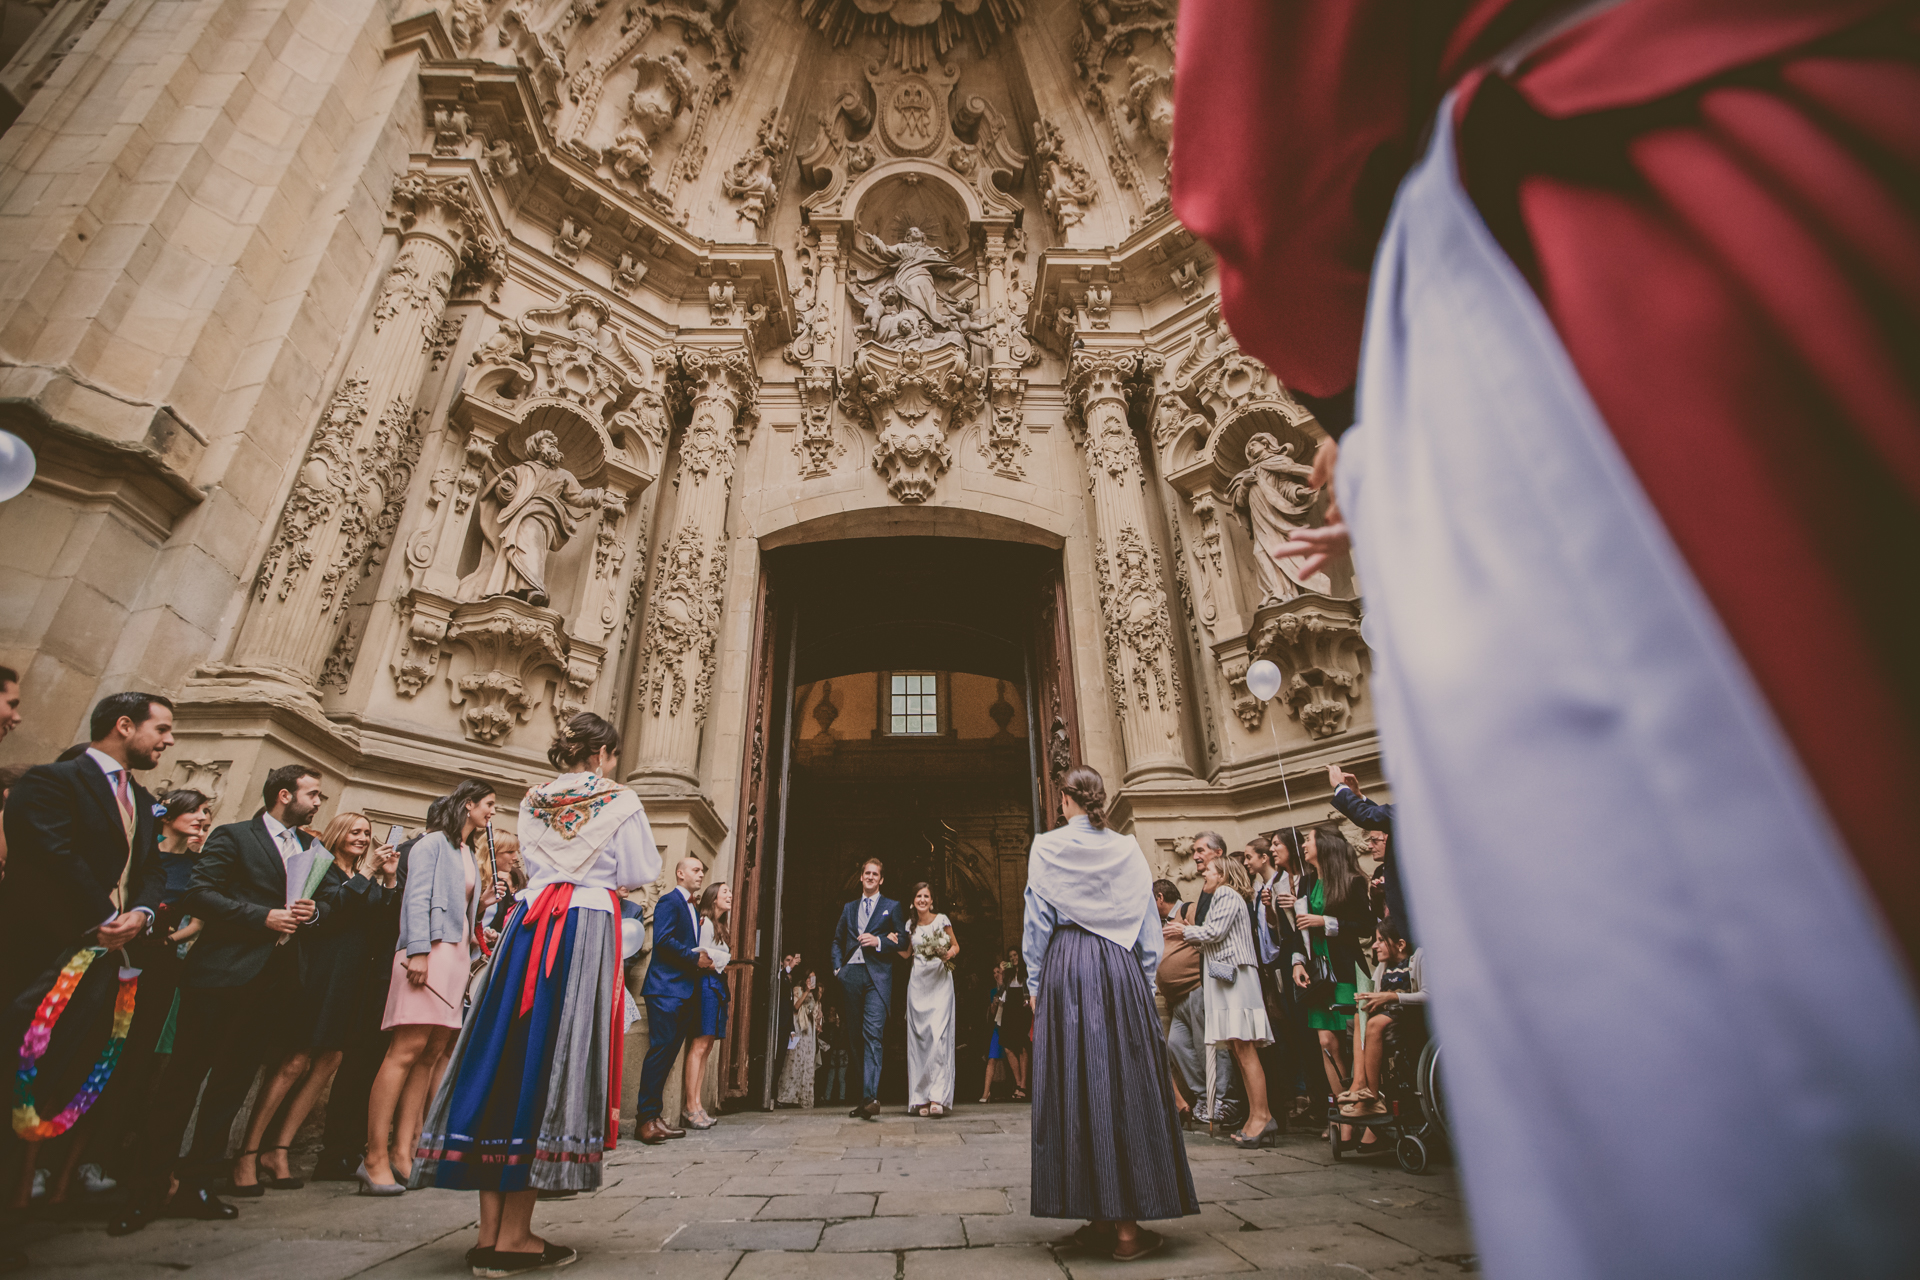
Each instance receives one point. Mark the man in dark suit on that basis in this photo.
(1377, 821)
(865, 945)
(235, 980)
(82, 866)
(672, 993)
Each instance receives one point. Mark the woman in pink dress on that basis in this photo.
(445, 893)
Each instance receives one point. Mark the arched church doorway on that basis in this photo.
(921, 708)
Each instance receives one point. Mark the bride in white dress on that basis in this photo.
(930, 1008)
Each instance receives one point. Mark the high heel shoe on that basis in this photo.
(1262, 1139)
(368, 1187)
(253, 1190)
(283, 1184)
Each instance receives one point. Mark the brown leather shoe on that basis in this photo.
(656, 1131)
(870, 1109)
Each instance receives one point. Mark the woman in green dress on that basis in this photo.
(1335, 923)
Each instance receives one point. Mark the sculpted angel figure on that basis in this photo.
(1273, 497)
(531, 510)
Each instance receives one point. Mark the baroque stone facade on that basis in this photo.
(451, 369)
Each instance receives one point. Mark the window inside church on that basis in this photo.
(914, 703)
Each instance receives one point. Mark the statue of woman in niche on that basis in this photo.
(1273, 498)
(532, 509)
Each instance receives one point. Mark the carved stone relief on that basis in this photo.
(913, 115)
(1001, 441)
(1139, 629)
(682, 622)
(571, 240)
(509, 642)
(1066, 188)
(911, 400)
(815, 443)
(916, 32)
(751, 179)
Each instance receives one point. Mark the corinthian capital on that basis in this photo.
(1100, 385)
(443, 207)
(1094, 376)
(717, 377)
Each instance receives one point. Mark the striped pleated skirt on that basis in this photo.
(526, 1100)
(1106, 1135)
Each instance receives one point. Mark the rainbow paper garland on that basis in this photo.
(26, 1116)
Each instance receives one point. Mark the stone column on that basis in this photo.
(353, 482)
(1143, 675)
(675, 680)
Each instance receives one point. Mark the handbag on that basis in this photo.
(1321, 985)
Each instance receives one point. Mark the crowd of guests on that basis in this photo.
(468, 987)
(1262, 975)
(274, 963)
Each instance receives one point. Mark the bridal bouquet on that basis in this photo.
(934, 945)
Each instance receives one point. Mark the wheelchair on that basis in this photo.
(1416, 1121)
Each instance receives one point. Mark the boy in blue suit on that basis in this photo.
(865, 945)
(672, 993)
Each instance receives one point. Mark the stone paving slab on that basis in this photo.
(809, 1194)
(825, 1206)
(867, 1235)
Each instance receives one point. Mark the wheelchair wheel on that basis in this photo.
(1333, 1136)
(1412, 1154)
(1427, 1083)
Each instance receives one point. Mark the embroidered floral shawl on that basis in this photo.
(565, 822)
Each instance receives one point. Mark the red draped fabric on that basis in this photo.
(1718, 203)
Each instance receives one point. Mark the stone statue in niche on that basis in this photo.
(1273, 498)
(531, 510)
(901, 303)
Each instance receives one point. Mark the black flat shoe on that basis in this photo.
(199, 1204)
(503, 1263)
(479, 1258)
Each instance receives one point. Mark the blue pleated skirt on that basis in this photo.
(524, 1103)
(1106, 1135)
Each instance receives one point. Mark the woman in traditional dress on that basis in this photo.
(1335, 919)
(1236, 1009)
(716, 905)
(931, 947)
(1106, 1143)
(357, 884)
(797, 1073)
(530, 1101)
(428, 978)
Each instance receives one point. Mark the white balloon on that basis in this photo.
(17, 465)
(632, 933)
(1369, 630)
(1263, 680)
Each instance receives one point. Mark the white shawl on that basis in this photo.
(1096, 878)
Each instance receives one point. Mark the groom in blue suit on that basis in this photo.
(865, 946)
(672, 993)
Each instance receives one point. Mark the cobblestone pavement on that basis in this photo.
(812, 1193)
